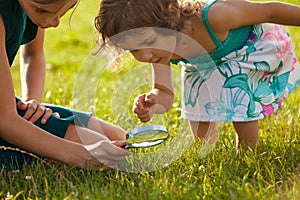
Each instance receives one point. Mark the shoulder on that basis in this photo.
(217, 15)
(6, 6)
(231, 14)
(10, 11)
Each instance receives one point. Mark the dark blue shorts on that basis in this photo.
(56, 126)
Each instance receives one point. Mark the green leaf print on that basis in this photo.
(241, 81)
(196, 78)
(279, 83)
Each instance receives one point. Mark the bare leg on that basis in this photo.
(204, 130)
(97, 146)
(247, 133)
(96, 131)
(83, 135)
(111, 131)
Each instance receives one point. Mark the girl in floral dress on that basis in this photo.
(237, 59)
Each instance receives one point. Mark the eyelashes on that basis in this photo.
(40, 11)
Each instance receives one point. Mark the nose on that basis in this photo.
(142, 55)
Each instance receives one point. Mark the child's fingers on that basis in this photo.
(39, 111)
(34, 111)
(144, 116)
(142, 107)
(140, 102)
(139, 105)
(47, 114)
(138, 110)
(30, 110)
(150, 99)
(119, 143)
(21, 105)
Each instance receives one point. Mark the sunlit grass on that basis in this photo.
(272, 171)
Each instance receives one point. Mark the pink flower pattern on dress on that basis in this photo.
(256, 79)
(267, 110)
(295, 61)
(284, 42)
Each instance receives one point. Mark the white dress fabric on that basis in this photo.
(247, 84)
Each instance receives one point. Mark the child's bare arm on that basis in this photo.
(163, 86)
(160, 99)
(231, 14)
(33, 68)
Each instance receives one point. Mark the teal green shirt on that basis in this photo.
(19, 28)
(235, 40)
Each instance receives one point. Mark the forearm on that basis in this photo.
(33, 69)
(247, 12)
(283, 13)
(162, 88)
(28, 137)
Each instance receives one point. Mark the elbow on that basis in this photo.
(166, 94)
(168, 102)
(7, 122)
(164, 105)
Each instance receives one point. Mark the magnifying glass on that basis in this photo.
(146, 136)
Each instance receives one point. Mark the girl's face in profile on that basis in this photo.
(45, 16)
(146, 45)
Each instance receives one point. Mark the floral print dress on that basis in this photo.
(247, 84)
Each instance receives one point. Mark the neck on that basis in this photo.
(188, 46)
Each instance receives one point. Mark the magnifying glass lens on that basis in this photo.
(146, 136)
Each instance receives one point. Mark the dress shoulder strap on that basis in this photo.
(213, 36)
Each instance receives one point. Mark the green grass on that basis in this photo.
(271, 171)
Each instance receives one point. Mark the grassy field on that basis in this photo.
(75, 79)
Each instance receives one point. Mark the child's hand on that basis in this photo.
(35, 110)
(142, 106)
(105, 152)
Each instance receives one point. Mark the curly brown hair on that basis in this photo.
(116, 16)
